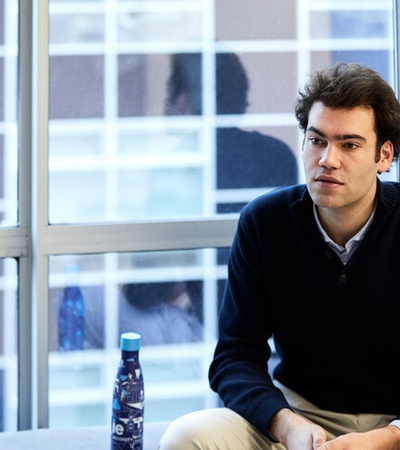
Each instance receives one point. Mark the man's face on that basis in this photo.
(339, 156)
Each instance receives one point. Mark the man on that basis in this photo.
(316, 267)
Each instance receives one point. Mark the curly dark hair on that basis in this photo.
(343, 85)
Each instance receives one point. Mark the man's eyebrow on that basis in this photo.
(315, 130)
(338, 137)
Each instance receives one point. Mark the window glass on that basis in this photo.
(165, 115)
(8, 212)
(8, 345)
(159, 25)
(177, 130)
(279, 20)
(350, 24)
(170, 298)
(8, 112)
(67, 26)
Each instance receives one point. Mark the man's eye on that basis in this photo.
(350, 145)
(315, 141)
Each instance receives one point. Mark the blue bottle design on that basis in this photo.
(71, 316)
(128, 397)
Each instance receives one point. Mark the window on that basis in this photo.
(12, 242)
(167, 297)
(8, 344)
(131, 135)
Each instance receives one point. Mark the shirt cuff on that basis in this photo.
(395, 423)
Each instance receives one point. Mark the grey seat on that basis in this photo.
(83, 438)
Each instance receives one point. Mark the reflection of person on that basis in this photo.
(315, 266)
(162, 313)
(245, 159)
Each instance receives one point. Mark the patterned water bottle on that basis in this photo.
(128, 397)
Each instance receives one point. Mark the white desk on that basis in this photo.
(86, 438)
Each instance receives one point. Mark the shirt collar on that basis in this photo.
(349, 244)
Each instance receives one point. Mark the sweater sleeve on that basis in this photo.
(239, 370)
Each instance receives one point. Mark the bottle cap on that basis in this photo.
(130, 342)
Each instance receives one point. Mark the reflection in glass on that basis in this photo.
(162, 313)
(70, 28)
(159, 192)
(151, 146)
(245, 159)
(76, 87)
(159, 26)
(349, 24)
(361, 24)
(150, 94)
(269, 20)
(160, 148)
(170, 298)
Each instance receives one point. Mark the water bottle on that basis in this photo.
(128, 397)
(71, 314)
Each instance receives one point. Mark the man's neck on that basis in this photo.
(342, 224)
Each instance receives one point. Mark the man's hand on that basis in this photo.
(295, 432)
(387, 438)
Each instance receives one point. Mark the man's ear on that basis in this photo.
(386, 157)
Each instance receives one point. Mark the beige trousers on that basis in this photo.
(223, 429)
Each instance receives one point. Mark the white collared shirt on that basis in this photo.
(347, 251)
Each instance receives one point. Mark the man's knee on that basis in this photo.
(210, 429)
(185, 433)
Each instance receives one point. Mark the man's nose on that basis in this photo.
(330, 156)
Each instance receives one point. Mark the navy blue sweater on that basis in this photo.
(336, 328)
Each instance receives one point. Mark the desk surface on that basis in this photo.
(85, 438)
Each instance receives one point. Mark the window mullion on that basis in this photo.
(39, 222)
(21, 237)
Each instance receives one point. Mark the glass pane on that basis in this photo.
(278, 20)
(167, 135)
(163, 125)
(8, 345)
(352, 24)
(170, 298)
(67, 27)
(8, 112)
(156, 25)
